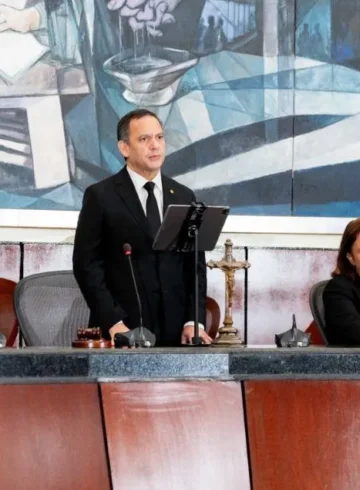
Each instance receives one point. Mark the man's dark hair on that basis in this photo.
(124, 123)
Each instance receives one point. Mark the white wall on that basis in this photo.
(251, 231)
(291, 240)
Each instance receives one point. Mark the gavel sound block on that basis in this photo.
(90, 338)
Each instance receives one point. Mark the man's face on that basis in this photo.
(145, 150)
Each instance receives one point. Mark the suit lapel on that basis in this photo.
(126, 190)
(169, 194)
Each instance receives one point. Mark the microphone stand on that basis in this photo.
(142, 342)
(196, 340)
(191, 228)
(191, 231)
(140, 336)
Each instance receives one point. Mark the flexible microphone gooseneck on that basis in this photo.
(127, 251)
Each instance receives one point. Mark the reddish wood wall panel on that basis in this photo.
(176, 436)
(8, 323)
(304, 435)
(51, 438)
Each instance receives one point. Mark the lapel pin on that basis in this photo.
(171, 191)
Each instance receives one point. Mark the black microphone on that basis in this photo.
(127, 251)
(140, 337)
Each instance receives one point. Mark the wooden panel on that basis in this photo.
(313, 330)
(51, 438)
(8, 323)
(212, 317)
(304, 435)
(176, 436)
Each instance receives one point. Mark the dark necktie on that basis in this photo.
(152, 209)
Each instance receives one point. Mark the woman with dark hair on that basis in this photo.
(342, 293)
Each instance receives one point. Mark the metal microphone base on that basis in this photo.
(196, 342)
(143, 344)
(138, 337)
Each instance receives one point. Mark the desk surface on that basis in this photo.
(64, 364)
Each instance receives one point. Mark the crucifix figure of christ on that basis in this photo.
(228, 334)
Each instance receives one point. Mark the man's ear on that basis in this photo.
(123, 148)
(350, 259)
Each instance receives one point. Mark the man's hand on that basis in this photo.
(117, 328)
(19, 20)
(188, 333)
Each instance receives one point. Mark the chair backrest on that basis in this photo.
(317, 307)
(8, 323)
(50, 308)
(212, 317)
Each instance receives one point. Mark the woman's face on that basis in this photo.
(354, 256)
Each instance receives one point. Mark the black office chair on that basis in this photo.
(50, 308)
(317, 307)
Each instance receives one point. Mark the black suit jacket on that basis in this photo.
(342, 311)
(112, 215)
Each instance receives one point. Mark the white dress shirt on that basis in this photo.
(139, 181)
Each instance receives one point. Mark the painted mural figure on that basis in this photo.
(210, 38)
(317, 44)
(211, 35)
(22, 20)
(200, 32)
(58, 18)
(221, 37)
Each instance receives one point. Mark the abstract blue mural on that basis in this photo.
(260, 99)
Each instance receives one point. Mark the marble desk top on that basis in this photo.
(49, 364)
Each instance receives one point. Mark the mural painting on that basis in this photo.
(260, 99)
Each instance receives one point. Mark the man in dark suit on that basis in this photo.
(128, 208)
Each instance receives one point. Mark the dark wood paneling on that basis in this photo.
(51, 438)
(176, 436)
(316, 338)
(304, 435)
(8, 323)
(212, 317)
